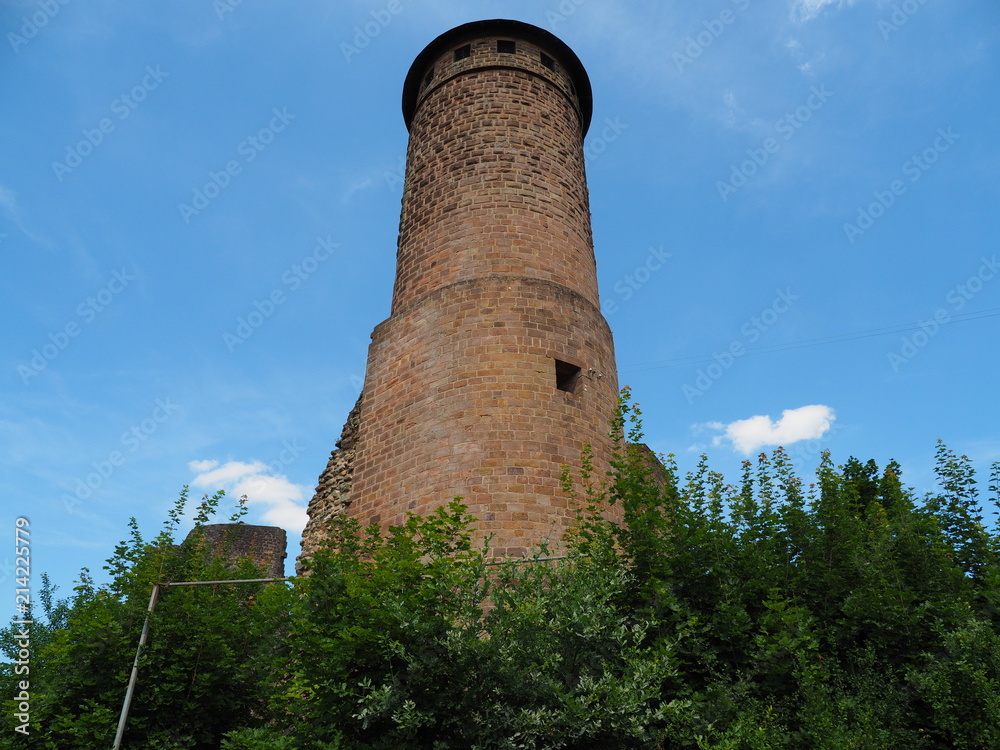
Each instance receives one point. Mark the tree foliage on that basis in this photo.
(205, 671)
(761, 615)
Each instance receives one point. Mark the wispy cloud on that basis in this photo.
(10, 207)
(278, 501)
(357, 186)
(748, 435)
(8, 201)
(807, 10)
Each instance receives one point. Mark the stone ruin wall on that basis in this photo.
(265, 545)
(333, 494)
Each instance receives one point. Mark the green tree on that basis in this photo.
(757, 615)
(207, 667)
(414, 640)
(764, 614)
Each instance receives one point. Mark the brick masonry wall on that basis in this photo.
(494, 179)
(265, 545)
(496, 281)
(461, 400)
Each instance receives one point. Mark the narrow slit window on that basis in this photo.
(506, 47)
(567, 376)
(547, 61)
(429, 77)
(463, 52)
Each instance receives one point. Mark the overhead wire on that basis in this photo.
(820, 341)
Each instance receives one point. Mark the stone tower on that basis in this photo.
(495, 364)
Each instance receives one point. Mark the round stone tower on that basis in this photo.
(495, 365)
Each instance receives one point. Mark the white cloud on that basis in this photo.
(748, 435)
(806, 10)
(228, 473)
(277, 500)
(287, 516)
(268, 489)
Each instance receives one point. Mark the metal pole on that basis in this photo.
(135, 669)
(145, 634)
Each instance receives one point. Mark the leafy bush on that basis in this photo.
(761, 615)
(206, 670)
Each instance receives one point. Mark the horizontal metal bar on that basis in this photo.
(235, 580)
(523, 560)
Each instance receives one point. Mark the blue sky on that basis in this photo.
(794, 208)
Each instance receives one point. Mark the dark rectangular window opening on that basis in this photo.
(548, 62)
(506, 47)
(463, 52)
(429, 77)
(567, 376)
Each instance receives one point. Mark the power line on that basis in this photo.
(833, 339)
